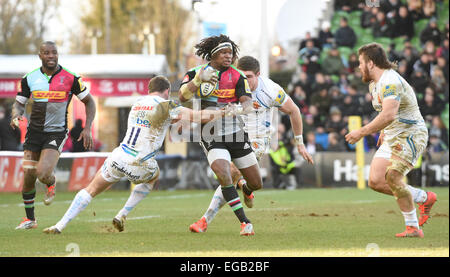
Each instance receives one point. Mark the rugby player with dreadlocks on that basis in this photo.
(227, 141)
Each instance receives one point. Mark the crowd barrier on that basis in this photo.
(74, 171)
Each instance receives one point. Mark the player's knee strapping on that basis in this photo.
(29, 164)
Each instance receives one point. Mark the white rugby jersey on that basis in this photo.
(148, 122)
(392, 86)
(266, 96)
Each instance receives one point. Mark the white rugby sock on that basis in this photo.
(139, 192)
(418, 195)
(217, 202)
(411, 218)
(79, 203)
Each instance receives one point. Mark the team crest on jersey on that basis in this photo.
(280, 97)
(389, 90)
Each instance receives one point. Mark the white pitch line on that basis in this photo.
(181, 196)
(129, 218)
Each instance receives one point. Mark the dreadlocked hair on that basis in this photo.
(206, 45)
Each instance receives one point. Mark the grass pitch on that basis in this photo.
(302, 223)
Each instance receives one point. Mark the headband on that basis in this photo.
(221, 46)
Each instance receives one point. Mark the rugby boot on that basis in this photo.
(410, 232)
(52, 230)
(119, 223)
(27, 224)
(425, 207)
(50, 194)
(247, 229)
(200, 226)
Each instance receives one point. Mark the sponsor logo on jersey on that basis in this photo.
(280, 97)
(51, 95)
(143, 108)
(224, 93)
(143, 123)
(256, 105)
(389, 90)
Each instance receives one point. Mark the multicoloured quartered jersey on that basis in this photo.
(392, 86)
(148, 122)
(266, 96)
(231, 86)
(51, 97)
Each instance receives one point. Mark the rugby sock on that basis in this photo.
(411, 218)
(139, 192)
(418, 195)
(217, 202)
(79, 203)
(28, 201)
(231, 196)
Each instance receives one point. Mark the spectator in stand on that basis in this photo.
(346, 5)
(367, 108)
(410, 58)
(403, 69)
(429, 8)
(431, 32)
(442, 64)
(308, 36)
(326, 37)
(368, 16)
(332, 64)
(423, 64)
(335, 144)
(9, 137)
(319, 83)
(419, 81)
(309, 57)
(438, 128)
(382, 26)
(403, 24)
(351, 104)
(75, 132)
(442, 51)
(335, 123)
(393, 55)
(322, 101)
(430, 49)
(305, 84)
(431, 105)
(298, 95)
(407, 44)
(343, 83)
(438, 79)
(308, 124)
(390, 6)
(311, 146)
(345, 36)
(415, 9)
(336, 96)
(319, 119)
(353, 62)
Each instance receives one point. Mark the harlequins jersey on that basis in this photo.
(51, 96)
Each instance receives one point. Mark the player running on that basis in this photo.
(266, 95)
(51, 88)
(228, 141)
(403, 138)
(149, 119)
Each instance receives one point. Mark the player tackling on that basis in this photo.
(403, 137)
(149, 119)
(266, 95)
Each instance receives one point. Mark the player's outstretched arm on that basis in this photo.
(201, 116)
(381, 121)
(297, 125)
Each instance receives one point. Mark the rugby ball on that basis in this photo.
(206, 88)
